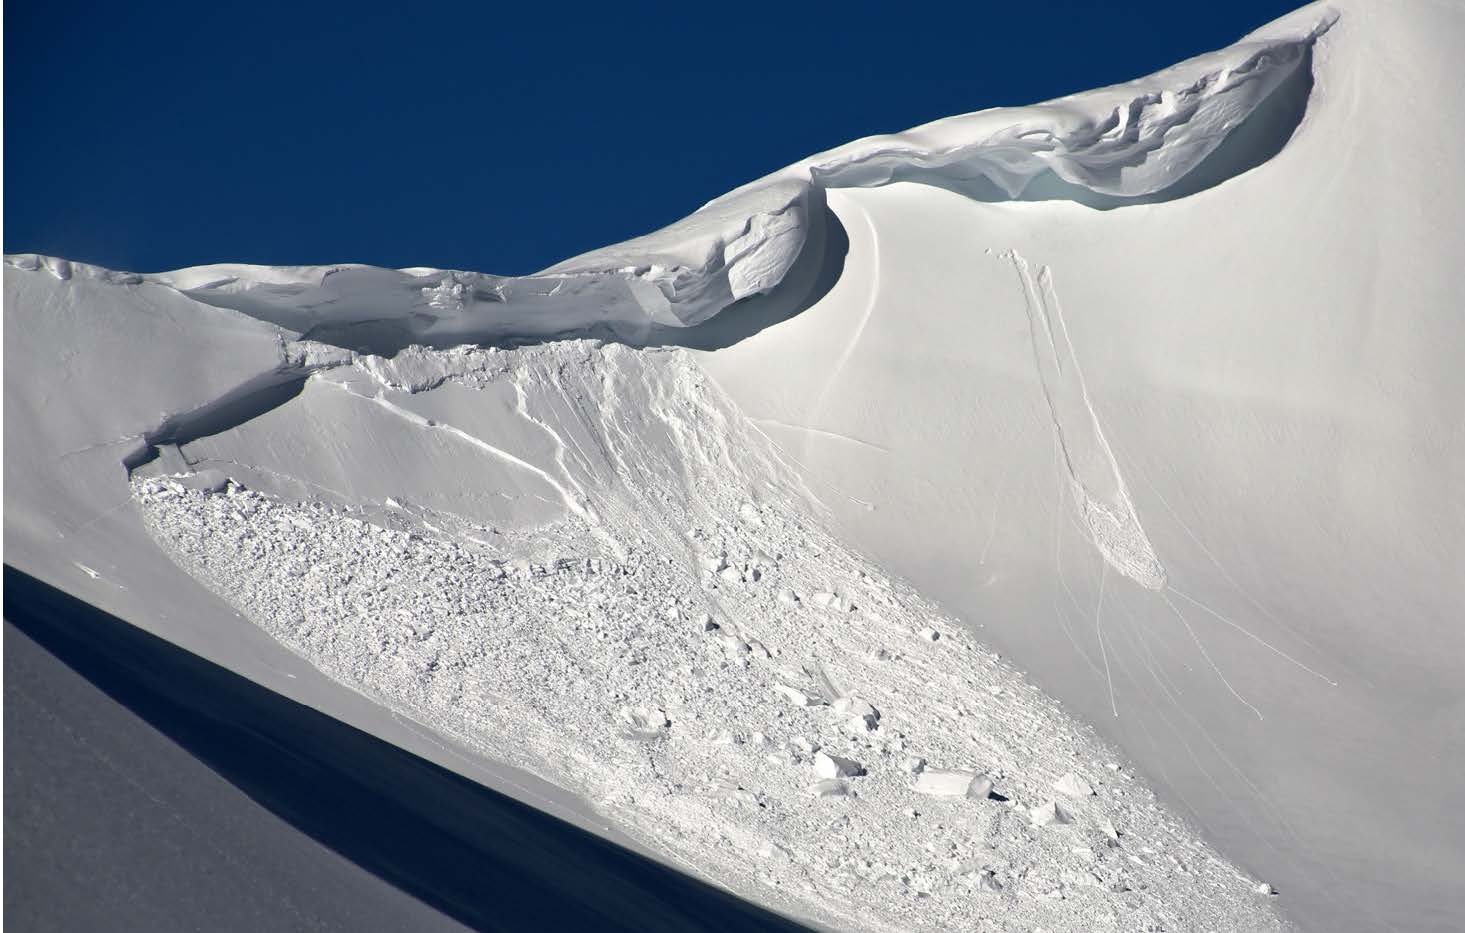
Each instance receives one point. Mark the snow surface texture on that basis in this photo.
(1193, 463)
(685, 646)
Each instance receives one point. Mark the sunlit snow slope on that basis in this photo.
(1153, 389)
(1199, 466)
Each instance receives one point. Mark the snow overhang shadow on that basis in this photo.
(1251, 143)
(813, 274)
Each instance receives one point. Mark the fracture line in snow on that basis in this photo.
(1207, 655)
(345, 497)
(1211, 556)
(991, 533)
(111, 510)
(1058, 565)
(1254, 637)
(805, 469)
(1179, 734)
(1172, 692)
(130, 438)
(822, 433)
(1099, 630)
(854, 341)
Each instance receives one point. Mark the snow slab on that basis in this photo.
(1148, 388)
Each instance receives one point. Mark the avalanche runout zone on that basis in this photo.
(715, 672)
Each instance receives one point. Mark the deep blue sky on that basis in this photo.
(154, 135)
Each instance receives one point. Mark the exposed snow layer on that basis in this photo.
(695, 654)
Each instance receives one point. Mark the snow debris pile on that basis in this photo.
(755, 732)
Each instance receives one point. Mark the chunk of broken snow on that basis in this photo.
(1265, 889)
(732, 643)
(831, 787)
(644, 721)
(831, 601)
(1073, 785)
(941, 782)
(929, 634)
(987, 882)
(772, 850)
(794, 696)
(858, 710)
(1049, 813)
(788, 597)
(730, 575)
(734, 793)
(913, 764)
(832, 766)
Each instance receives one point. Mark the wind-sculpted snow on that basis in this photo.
(1128, 141)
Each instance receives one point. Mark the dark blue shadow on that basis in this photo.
(479, 856)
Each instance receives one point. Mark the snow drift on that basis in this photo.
(1148, 387)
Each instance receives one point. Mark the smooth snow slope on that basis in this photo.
(1148, 389)
(1198, 466)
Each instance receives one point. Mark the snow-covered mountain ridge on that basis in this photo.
(1127, 141)
(1151, 389)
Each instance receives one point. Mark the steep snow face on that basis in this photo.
(1144, 389)
(1198, 466)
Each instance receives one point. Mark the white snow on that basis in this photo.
(1151, 388)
